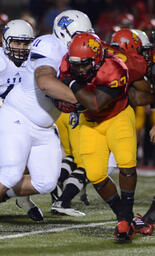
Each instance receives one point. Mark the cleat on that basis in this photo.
(57, 209)
(149, 217)
(142, 227)
(123, 231)
(33, 212)
(84, 199)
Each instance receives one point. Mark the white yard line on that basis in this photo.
(139, 171)
(52, 230)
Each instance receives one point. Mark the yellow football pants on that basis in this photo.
(117, 134)
(70, 137)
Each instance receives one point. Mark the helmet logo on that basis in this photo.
(94, 45)
(64, 22)
(135, 38)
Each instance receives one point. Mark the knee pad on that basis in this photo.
(45, 186)
(10, 176)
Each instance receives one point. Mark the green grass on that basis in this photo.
(84, 241)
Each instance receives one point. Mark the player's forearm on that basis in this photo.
(143, 85)
(56, 89)
(50, 85)
(140, 98)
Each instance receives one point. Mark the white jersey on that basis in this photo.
(26, 97)
(10, 74)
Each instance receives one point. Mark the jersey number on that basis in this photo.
(116, 83)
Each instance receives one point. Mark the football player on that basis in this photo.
(63, 203)
(29, 112)
(109, 123)
(148, 219)
(73, 178)
(141, 93)
(16, 39)
(130, 45)
(84, 67)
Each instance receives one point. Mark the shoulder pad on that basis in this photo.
(137, 67)
(113, 73)
(48, 46)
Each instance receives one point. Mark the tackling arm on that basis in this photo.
(46, 80)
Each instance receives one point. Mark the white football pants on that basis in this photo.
(22, 143)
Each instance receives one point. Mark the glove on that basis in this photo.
(67, 107)
(64, 106)
(73, 84)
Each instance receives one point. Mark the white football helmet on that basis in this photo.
(17, 30)
(69, 23)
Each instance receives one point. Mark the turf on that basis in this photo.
(80, 237)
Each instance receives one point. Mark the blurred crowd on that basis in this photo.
(107, 16)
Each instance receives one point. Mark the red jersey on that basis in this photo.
(136, 64)
(113, 73)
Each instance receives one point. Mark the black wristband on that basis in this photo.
(74, 86)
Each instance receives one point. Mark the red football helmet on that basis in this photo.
(86, 50)
(127, 40)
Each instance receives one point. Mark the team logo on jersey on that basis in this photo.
(94, 45)
(64, 22)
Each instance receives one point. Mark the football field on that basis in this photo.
(91, 235)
